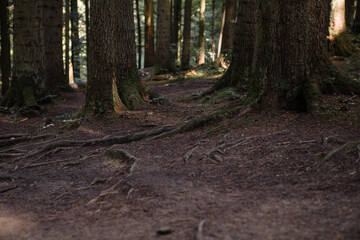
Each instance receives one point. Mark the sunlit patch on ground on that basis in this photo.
(12, 225)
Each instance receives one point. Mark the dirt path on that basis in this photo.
(253, 177)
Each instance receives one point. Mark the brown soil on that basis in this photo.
(271, 185)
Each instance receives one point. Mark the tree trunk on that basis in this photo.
(350, 12)
(130, 90)
(221, 31)
(149, 34)
(163, 35)
(213, 31)
(175, 31)
(67, 42)
(230, 16)
(5, 47)
(244, 46)
(185, 59)
(102, 95)
(75, 41)
(87, 20)
(139, 32)
(291, 64)
(356, 24)
(341, 44)
(28, 83)
(201, 33)
(54, 67)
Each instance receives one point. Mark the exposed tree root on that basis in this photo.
(355, 144)
(199, 234)
(13, 136)
(16, 140)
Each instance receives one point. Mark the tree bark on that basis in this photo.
(244, 46)
(221, 31)
(356, 24)
(67, 41)
(350, 12)
(213, 31)
(291, 65)
(75, 40)
(149, 34)
(87, 20)
(130, 90)
(163, 37)
(28, 84)
(175, 31)
(185, 59)
(102, 95)
(5, 47)
(54, 67)
(201, 57)
(230, 16)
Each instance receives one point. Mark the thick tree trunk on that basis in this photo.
(356, 24)
(5, 47)
(291, 63)
(28, 84)
(341, 44)
(175, 33)
(54, 67)
(139, 33)
(102, 95)
(163, 37)
(75, 40)
(185, 59)
(149, 34)
(128, 82)
(201, 58)
(244, 46)
(230, 16)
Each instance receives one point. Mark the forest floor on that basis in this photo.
(261, 175)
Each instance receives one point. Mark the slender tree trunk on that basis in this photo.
(54, 67)
(356, 24)
(139, 33)
(130, 90)
(244, 46)
(28, 83)
(350, 12)
(185, 59)
(175, 30)
(213, 31)
(287, 72)
(87, 20)
(149, 33)
(75, 41)
(201, 33)
(163, 35)
(102, 95)
(221, 31)
(230, 16)
(67, 42)
(5, 47)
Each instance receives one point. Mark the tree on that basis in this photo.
(75, 40)
(201, 33)
(185, 59)
(350, 12)
(230, 16)
(139, 31)
(243, 50)
(5, 47)
(67, 41)
(149, 33)
(28, 83)
(102, 94)
(163, 35)
(130, 90)
(213, 32)
(176, 31)
(356, 24)
(291, 65)
(54, 67)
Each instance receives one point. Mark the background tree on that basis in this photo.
(149, 34)
(54, 67)
(102, 95)
(28, 84)
(163, 35)
(185, 58)
(176, 30)
(67, 41)
(356, 24)
(5, 47)
(201, 57)
(127, 79)
(230, 16)
(287, 72)
(350, 12)
(139, 32)
(75, 40)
